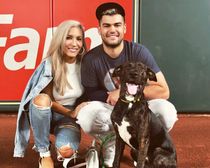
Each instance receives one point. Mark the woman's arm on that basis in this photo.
(59, 107)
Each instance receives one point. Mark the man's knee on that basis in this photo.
(169, 115)
(165, 111)
(102, 122)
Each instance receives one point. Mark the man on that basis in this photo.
(99, 62)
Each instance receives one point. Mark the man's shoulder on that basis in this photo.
(95, 51)
(133, 45)
(134, 50)
(93, 54)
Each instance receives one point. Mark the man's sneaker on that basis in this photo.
(108, 155)
(106, 147)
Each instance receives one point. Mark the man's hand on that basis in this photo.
(113, 96)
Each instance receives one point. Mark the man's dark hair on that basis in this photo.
(110, 8)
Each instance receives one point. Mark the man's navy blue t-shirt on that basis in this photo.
(97, 67)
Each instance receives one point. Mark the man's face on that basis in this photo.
(112, 30)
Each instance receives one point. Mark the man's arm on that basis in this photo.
(157, 90)
(154, 90)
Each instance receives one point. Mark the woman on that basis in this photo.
(50, 97)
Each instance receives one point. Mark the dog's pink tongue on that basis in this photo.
(131, 88)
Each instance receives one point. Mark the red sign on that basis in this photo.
(26, 29)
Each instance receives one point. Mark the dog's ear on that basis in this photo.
(117, 71)
(151, 75)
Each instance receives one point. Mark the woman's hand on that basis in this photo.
(77, 109)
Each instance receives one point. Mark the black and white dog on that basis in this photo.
(136, 125)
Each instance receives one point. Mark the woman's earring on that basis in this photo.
(82, 51)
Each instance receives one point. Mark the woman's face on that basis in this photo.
(73, 44)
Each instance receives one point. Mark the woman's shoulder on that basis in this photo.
(47, 60)
(44, 67)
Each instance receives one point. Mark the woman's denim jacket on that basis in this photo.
(38, 81)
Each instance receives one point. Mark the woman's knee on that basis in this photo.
(66, 151)
(67, 140)
(42, 101)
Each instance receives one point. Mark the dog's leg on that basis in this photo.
(142, 152)
(120, 145)
(162, 153)
(143, 137)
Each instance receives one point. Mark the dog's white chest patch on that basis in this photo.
(124, 134)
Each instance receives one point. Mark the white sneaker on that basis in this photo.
(108, 155)
(92, 158)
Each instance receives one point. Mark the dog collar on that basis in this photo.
(128, 101)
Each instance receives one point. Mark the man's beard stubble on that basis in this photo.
(108, 45)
